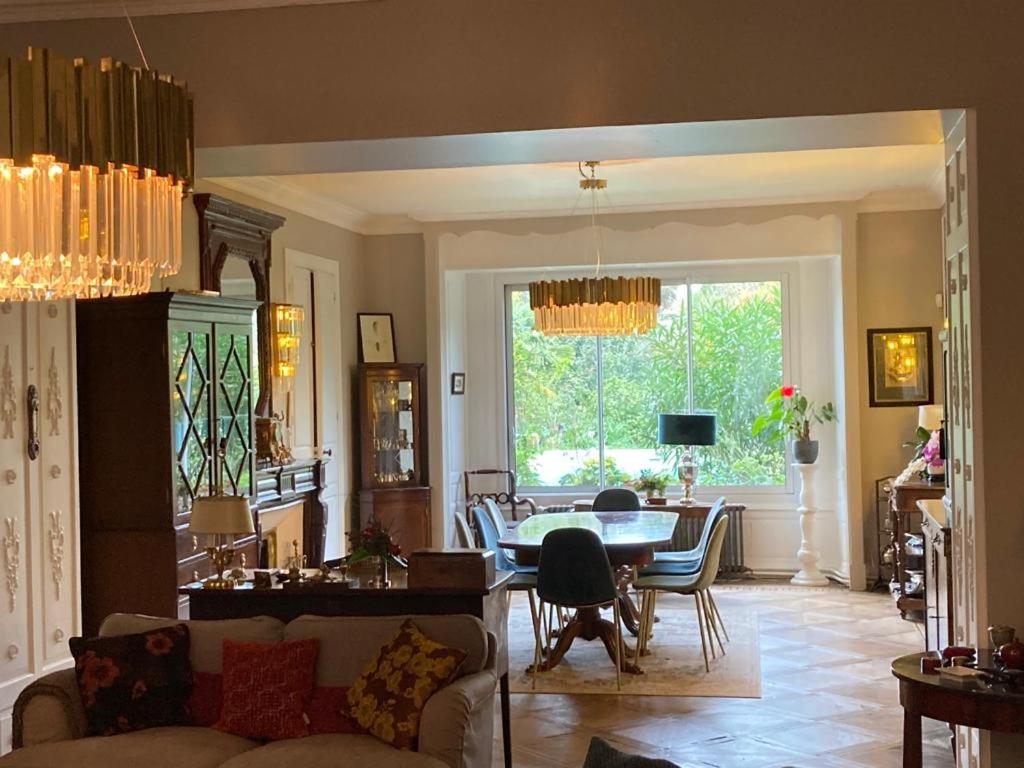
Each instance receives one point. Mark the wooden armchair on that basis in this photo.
(506, 479)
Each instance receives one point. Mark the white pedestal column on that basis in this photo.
(809, 575)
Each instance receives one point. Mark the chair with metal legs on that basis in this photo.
(525, 578)
(689, 561)
(574, 572)
(698, 585)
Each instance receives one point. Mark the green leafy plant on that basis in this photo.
(588, 474)
(790, 414)
(651, 483)
(921, 438)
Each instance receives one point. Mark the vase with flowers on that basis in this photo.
(375, 543)
(790, 415)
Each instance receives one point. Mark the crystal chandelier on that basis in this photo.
(94, 161)
(595, 306)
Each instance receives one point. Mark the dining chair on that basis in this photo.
(507, 495)
(601, 754)
(574, 572)
(463, 533)
(525, 576)
(494, 512)
(616, 500)
(698, 585)
(688, 561)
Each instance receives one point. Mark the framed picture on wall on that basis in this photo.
(900, 367)
(458, 383)
(376, 337)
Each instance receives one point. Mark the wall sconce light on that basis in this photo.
(287, 336)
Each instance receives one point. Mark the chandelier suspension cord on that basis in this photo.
(594, 231)
(131, 26)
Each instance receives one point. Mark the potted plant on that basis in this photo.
(651, 483)
(789, 416)
(374, 543)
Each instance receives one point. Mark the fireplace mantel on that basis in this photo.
(301, 480)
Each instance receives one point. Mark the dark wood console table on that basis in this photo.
(991, 708)
(287, 603)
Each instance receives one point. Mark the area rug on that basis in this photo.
(675, 666)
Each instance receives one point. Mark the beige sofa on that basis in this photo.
(456, 729)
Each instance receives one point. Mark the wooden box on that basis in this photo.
(451, 568)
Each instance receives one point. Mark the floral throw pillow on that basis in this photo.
(130, 682)
(387, 699)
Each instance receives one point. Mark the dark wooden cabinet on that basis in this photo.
(938, 576)
(165, 397)
(391, 444)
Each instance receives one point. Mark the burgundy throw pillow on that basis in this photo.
(130, 682)
(205, 702)
(267, 689)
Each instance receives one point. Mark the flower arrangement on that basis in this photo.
(651, 483)
(374, 541)
(790, 414)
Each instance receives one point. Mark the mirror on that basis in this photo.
(234, 260)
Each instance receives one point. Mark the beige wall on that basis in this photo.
(899, 272)
(393, 281)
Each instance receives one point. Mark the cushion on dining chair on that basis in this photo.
(616, 500)
(573, 570)
(601, 754)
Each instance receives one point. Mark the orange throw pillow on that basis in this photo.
(267, 689)
(387, 699)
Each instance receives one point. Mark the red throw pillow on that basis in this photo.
(328, 711)
(267, 689)
(204, 704)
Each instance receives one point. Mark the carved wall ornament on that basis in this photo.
(56, 537)
(10, 476)
(8, 403)
(55, 471)
(7, 307)
(54, 403)
(52, 310)
(12, 559)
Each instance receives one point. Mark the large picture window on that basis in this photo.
(583, 411)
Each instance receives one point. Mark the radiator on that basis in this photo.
(687, 536)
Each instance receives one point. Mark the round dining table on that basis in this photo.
(630, 539)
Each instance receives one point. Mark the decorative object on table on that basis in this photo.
(687, 430)
(1011, 654)
(1001, 634)
(103, 152)
(595, 306)
(376, 337)
(136, 681)
(287, 332)
(807, 555)
(374, 542)
(929, 446)
(790, 415)
(652, 484)
(451, 568)
(900, 367)
(263, 579)
(388, 697)
(294, 564)
(458, 383)
(224, 517)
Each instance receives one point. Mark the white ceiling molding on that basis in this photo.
(280, 192)
(14, 11)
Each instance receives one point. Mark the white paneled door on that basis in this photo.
(319, 388)
(39, 592)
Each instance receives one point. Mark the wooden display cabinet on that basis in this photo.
(392, 451)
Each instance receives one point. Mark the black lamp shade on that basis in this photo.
(686, 429)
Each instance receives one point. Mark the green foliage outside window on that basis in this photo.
(737, 356)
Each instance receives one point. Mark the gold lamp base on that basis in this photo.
(221, 558)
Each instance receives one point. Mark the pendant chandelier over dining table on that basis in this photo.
(595, 306)
(94, 162)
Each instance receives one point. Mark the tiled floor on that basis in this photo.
(828, 701)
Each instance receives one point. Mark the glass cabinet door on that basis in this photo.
(191, 414)
(392, 404)
(234, 350)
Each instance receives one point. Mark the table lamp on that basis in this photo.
(221, 516)
(687, 430)
(930, 417)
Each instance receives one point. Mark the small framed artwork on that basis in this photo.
(458, 383)
(376, 337)
(900, 367)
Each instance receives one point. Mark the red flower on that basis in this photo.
(395, 550)
(158, 644)
(788, 390)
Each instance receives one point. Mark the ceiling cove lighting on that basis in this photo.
(94, 162)
(595, 306)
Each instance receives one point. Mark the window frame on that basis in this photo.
(783, 271)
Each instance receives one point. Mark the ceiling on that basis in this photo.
(12, 11)
(904, 177)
